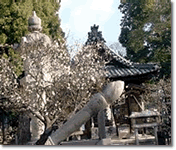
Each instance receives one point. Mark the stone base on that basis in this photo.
(124, 131)
(106, 141)
(110, 131)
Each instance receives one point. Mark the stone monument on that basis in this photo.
(34, 26)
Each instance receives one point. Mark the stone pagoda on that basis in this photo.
(35, 36)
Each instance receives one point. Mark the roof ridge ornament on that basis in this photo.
(94, 36)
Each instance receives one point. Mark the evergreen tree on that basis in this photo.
(14, 19)
(146, 32)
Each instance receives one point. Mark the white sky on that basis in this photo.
(77, 16)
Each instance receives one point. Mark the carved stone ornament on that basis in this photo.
(34, 23)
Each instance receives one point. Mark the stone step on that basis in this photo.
(143, 140)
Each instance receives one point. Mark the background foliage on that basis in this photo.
(146, 32)
(14, 19)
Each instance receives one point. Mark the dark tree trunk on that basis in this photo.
(3, 131)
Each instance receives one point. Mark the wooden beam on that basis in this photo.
(146, 125)
(142, 108)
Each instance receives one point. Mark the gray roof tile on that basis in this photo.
(115, 71)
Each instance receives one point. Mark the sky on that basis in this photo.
(77, 16)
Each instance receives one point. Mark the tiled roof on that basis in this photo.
(117, 57)
(113, 70)
(117, 66)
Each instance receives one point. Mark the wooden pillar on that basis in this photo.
(136, 136)
(115, 119)
(156, 129)
(112, 117)
(101, 124)
(88, 129)
(129, 113)
(156, 136)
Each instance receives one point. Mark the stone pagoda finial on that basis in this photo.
(34, 23)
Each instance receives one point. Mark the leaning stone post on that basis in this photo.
(98, 102)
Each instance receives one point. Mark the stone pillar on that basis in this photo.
(78, 119)
(101, 124)
(98, 102)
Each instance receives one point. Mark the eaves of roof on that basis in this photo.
(113, 71)
(131, 69)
